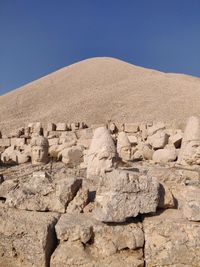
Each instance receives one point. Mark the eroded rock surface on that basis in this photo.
(171, 240)
(122, 194)
(26, 238)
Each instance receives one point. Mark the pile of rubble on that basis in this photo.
(101, 196)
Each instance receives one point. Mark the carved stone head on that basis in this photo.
(124, 147)
(101, 156)
(39, 150)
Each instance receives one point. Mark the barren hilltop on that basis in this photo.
(98, 89)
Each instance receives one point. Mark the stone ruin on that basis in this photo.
(100, 196)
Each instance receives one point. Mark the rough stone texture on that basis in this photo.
(165, 155)
(39, 150)
(158, 140)
(19, 142)
(79, 202)
(176, 139)
(122, 194)
(40, 193)
(26, 238)
(190, 148)
(131, 127)
(73, 228)
(61, 126)
(124, 147)
(109, 239)
(171, 240)
(104, 245)
(157, 126)
(190, 205)
(72, 156)
(5, 142)
(166, 198)
(102, 154)
(74, 254)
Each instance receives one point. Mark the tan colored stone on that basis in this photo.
(131, 127)
(165, 155)
(101, 156)
(72, 156)
(26, 238)
(122, 194)
(171, 240)
(158, 140)
(124, 147)
(39, 150)
(40, 193)
(61, 126)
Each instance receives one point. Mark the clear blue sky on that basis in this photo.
(40, 36)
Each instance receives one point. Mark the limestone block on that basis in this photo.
(158, 126)
(68, 137)
(158, 140)
(165, 155)
(61, 126)
(51, 127)
(190, 205)
(147, 152)
(171, 240)
(166, 198)
(122, 194)
(109, 239)
(5, 142)
(79, 202)
(75, 126)
(17, 133)
(84, 143)
(133, 139)
(73, 254)
(53, 141)
(104, 245)
(26, 238)
(42, 194)
(17, 142)
(131, 127)
(73, 228)
(176, 140)
(85, 133)
(11, 154)
(72, 156)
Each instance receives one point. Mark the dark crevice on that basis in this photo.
(51, 243)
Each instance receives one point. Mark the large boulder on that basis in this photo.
(83, 241)
(165, 155)
(40, 193)
(158, 140)
(122, 194)
(26, 238)
(171, 240)
(72, 156)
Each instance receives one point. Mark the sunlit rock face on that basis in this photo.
(102, 154)
(124, 147)
(190, 148)
(39, 150)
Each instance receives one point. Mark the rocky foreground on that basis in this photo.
(125, 195)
